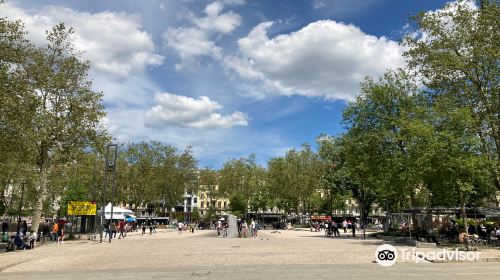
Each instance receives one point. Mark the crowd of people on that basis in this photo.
(121, 227)
(247, 229)
(26, 239)
(332, 228)
(451, 230)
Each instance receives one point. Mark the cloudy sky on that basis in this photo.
(229, 77)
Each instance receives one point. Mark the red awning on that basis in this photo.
(321, 218)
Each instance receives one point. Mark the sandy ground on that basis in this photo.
(169, 249)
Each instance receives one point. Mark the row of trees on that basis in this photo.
(424, 135)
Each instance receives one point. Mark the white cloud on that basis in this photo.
(182, 111)
(216, 20)
(196, 41)
(113, 42)
(190, 43)
(325, 58)
(210, 146)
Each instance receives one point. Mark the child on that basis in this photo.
(32, 239)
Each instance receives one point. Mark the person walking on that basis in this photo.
(143, 227)
(344, 226)
(219, 227)
(335, 229)
(121, 227)
(5, 230)
(112, 230)
(180, 225)
(150, 226)
(60, 233)
(226, 229)
(244, 226)
(252, 229)
(154, 226)
(353, 226)
(55, 232)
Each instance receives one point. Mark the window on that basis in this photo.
(225, 204)
(218, 204)
(202, 204)
(195, 200)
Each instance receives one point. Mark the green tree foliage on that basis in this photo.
(456, 53)
(48, 106)
(379, 143)
(154, 174)
(334, 180)
(209, 185)
(293, 181)
(240, 179)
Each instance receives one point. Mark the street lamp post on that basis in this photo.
(110, 165)
(112, 168)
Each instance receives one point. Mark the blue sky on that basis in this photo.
(229, 77)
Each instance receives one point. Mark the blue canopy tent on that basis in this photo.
(130, 218)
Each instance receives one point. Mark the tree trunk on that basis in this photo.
(37, 212)
(42, 188)
(170, 216)
(464, 214)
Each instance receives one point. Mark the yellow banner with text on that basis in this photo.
(81, 208)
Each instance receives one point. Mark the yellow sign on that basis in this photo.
(81, 208)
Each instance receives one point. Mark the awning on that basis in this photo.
(118, 212)
(129, 217)
(321, 218)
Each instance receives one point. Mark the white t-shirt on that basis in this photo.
(32, 236)
(181, 225)
(253, 225)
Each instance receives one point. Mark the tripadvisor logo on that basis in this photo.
(387, 255)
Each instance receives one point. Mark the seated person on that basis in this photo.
(18, 241)
(432, 237)
(10, 244)
(5, 237)
(462, 237)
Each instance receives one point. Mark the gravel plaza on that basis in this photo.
(292, 254)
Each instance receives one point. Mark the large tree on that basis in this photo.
(62, 113)
(240, 180)
(456, 52)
